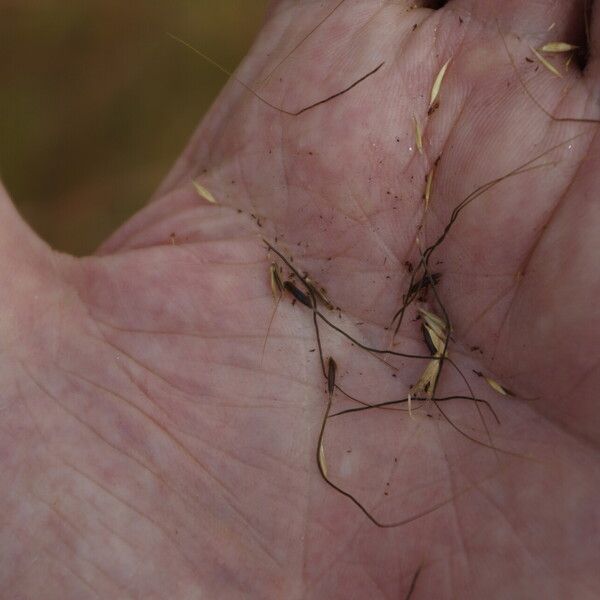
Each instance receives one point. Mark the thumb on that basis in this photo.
(29, 276)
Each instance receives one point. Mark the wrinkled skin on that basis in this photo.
(148, 448)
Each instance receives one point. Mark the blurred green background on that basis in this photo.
(97, 102)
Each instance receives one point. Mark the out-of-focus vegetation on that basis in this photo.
(96, 102)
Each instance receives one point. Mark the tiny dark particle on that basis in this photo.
(529, 60)
(433, 108)
(478, 373)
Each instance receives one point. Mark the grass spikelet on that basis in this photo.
(276, 284)
(437, 84)
(545, 63)
(433, 322)
(498, 388)
(203, 192)
(418, 135)
(555, 47)
(437, 341)
(436, 328)
(428, 186)
(426, 383)
(322, 462)
(320, 292)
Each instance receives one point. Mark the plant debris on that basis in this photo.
(554, 47)
(428, 184)
(418, 135)
(437, 84)
(203, 192)
(546, 63)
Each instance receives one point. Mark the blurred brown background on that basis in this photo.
(97, 102)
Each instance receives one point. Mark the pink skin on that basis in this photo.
(149, 450)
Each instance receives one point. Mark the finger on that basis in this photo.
(327, 6)
(17, 239)
(542, 20)
(593, 32)
(27, 267)
(304, 21)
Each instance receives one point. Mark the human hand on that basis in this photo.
(153, 446)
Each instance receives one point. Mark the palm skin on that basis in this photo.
(151, 449)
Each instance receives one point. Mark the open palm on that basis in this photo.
(152, 444)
